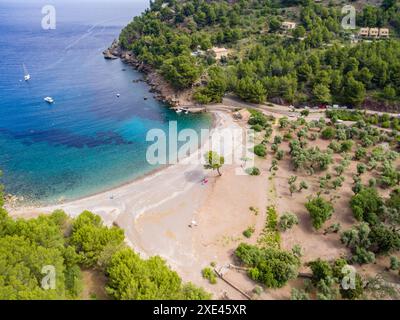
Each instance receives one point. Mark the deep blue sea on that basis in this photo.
(88, 140)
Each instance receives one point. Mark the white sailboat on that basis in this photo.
(27, 76)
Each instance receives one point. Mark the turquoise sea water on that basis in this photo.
(89, 140)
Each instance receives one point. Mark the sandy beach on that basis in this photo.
(156, 211)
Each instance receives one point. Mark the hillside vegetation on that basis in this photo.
(314, 63)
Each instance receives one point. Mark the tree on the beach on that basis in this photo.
(214, 161)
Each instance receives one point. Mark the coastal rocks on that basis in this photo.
(12, 201)
(160, 88)
(108, 55)
(113, 52)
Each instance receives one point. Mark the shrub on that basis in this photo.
(346, 146)
(257, 128)
(394, 263)
(270, 236)
(274, 147)
(321, 270)
(209, 274)
(353, 293)
(303, 185)
(311, 159)
(287, 221)
(253, 171)
(363, 256)
(372, 183)
(299, 295)
(280, 154)
(360, 153)
(361, 168)
(366, 205)
(248, 232)
(320, 211)
(335, 146)
(297, 250)
(287, 136)
(272, 267)
(305, 113)
(384, 239)
(390, 177)
(334, 228)
(260, 150)
(257, 118)
(272, 218)
(277, 140)
(328, 133)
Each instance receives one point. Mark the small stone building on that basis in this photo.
(364, 32)
(373, 32)
(287, 25)
(384, 33)
(220, 52)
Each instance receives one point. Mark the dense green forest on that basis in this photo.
(314, 63)
(71, 245)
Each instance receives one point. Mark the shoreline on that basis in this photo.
(112, 53)
(18, 210)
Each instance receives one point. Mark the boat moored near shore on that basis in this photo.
(49, 100)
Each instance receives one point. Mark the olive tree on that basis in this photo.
(320, 210)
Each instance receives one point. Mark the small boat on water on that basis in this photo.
(118, 95)
(27, 76)
(178, 110)
(49, 100)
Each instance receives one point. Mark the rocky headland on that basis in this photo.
(162, 90)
